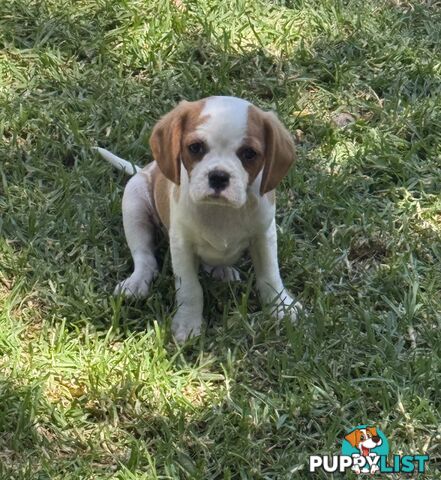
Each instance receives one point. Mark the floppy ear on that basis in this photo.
(165, 142)
(279, 152)
(353, 438)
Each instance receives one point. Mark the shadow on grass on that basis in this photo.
(38, 441)
(21, 407)
(42, 439)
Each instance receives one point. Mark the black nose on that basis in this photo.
(218, 180)
(376, 439)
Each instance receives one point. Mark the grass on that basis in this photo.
(94, 388)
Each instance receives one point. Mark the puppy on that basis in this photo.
(364, 440)
(217, 163)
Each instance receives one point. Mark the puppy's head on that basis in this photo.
(364, 437)
(225, 145)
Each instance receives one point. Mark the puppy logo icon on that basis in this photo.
(365, 444)
(365, 450)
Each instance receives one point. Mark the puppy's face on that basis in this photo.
(364, 438)
(224, 144)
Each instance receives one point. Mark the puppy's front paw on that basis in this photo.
(185, 325)
(135, 286)
(288, 307)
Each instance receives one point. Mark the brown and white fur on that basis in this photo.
(217, 162)
(364, 440)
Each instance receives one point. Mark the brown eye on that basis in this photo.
(196, 148)
(247, 154)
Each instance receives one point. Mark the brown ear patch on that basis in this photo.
(254, 138)
(354, 437)
(279, 151)
(167, 137)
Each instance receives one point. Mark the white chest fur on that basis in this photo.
(220, 234)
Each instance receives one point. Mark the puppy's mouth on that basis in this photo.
(365, 451)
(230, 196)
(216, 194)
(216, 198)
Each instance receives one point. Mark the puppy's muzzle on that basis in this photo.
(218, 180)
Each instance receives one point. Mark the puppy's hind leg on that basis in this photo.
(223, 274)
(139, 228)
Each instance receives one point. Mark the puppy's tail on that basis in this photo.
(118, 162)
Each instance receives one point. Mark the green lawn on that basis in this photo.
(92, 387)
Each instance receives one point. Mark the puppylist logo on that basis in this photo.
(365, 449)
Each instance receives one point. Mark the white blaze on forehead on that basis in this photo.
(226, 123)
